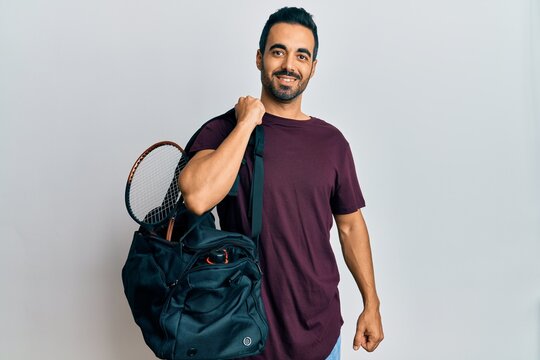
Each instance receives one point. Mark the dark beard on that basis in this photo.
(282, 93)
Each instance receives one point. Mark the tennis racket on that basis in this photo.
(152, 191)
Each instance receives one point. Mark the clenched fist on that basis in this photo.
(249, 110)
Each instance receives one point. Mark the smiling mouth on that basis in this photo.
(286, 79)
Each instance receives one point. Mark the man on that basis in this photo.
(309, 176)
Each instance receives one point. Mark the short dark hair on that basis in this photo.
(290, 15)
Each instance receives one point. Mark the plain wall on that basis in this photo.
(438, 99)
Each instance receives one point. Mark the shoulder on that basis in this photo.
(211, 133)
(223, 122)
(330, 131)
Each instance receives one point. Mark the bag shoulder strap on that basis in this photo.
(256, 197)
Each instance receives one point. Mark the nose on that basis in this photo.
(288, 63)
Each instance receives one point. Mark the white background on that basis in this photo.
(438, 99)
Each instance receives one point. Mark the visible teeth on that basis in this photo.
(287, 80)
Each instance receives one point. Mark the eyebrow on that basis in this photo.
(281, 46)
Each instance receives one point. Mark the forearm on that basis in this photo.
(357, 254)
(205, 181)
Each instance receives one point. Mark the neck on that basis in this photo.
(289, 110)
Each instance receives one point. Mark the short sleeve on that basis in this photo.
(211, 135)
(346, 196)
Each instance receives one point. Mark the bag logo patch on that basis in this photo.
(247, 341)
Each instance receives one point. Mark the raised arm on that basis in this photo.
(210, 174)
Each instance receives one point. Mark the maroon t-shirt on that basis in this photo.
(309, 175)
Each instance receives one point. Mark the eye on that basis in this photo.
(302, 57)
(277, 52)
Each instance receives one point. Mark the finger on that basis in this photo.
(370, 346)
(372, 342)
(367, 345)
(359, 340)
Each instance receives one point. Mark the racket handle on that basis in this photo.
(170, 229)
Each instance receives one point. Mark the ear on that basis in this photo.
(258, 60)
(313, 68)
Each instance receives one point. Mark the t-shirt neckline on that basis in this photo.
(287, 121)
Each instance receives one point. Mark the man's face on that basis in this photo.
(287, 63)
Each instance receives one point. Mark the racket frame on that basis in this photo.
(171, 216)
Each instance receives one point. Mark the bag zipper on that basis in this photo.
(172, 287)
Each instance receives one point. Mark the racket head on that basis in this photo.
(152, 191)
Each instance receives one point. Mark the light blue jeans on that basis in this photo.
(335, 354)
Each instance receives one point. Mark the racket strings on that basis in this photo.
(154, 187)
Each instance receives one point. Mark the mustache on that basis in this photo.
(287, 73)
